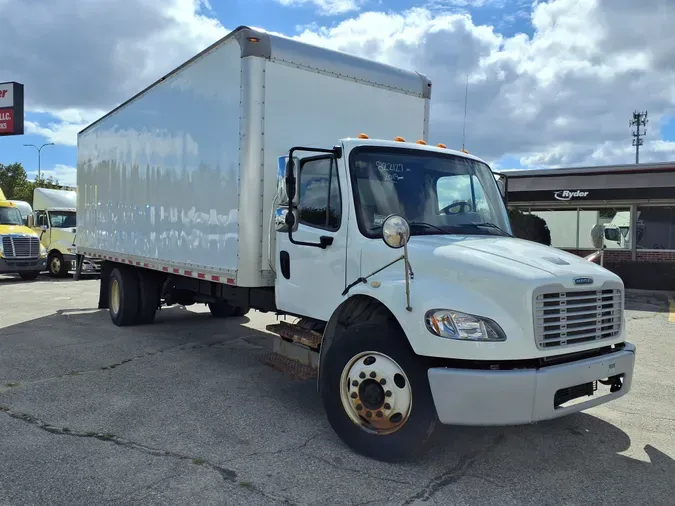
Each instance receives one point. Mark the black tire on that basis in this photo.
(127, 283)
(222, 309)
(148, 302)
(414, 437)
(29, 275)
(56, 265)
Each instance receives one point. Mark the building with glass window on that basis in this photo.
(626, 210)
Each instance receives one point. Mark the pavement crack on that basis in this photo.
(281, 450)
(454, 474)
(358, 471)
(186, 345)
(228, 475)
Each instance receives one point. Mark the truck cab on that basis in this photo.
(405, 251)
(20, 249)
(55, 219)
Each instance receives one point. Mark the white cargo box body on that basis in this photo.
(182, 177)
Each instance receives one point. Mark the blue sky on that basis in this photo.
(272, 15)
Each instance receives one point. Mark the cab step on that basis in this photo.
(292, 359)
(296, 334)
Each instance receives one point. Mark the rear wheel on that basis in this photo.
(123, 296)
(376, 393)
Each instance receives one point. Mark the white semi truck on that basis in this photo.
(246, 180)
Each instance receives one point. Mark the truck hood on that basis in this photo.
(519, 257)
(16, 229)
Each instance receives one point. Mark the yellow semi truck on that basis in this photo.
(20, 249)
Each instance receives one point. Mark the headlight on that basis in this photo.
(72, 250)
(463, 327)
(43, 251)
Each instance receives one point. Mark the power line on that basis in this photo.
(639, 119)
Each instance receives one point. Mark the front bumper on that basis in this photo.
(11, 266)
(488, 397)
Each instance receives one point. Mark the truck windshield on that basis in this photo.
(62, 219)
(437, 193)
(10, 216)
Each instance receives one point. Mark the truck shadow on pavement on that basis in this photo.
(192, 389)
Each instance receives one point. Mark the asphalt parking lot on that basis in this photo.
(184, 412)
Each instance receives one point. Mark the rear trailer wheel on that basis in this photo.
(222, 309)
(149, 295)
(376, 393)
(123, 296)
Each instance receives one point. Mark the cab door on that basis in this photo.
(310, 262)
(42, 228)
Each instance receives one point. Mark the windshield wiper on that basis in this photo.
(490, 225)
(428, 225)
(414, 224)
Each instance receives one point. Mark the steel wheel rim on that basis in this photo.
(375, 393)
(56, 264)
(115, 296)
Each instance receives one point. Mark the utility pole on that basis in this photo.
(639, 119)
(39, 150)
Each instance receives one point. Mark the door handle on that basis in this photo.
(325, 241)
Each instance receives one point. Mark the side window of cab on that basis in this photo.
(319, 199)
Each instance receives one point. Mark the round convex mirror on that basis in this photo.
(395, 231)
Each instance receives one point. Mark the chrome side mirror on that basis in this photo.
(395, 231)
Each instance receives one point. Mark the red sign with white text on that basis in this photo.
(6, 121)
(11, 109)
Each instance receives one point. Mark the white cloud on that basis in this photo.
(561, 97)
(327, 7)
(64, 174)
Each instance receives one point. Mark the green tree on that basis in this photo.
(16, 186)
(529, 226)
(13, 179)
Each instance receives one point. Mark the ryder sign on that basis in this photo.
(11, 109)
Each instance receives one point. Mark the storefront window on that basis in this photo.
(656, 227)
(608, 227)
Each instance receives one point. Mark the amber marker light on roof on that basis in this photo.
(399, 139)
(363, 136)
(253, 39)
(422, 142)
(441, 145)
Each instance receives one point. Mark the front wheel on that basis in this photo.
(376, 393)
(29, 275)
(56, 265)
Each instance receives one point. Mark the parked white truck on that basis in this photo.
(239, 181)
(55, 219)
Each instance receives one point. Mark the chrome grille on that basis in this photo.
(16, 246)
(566, 318)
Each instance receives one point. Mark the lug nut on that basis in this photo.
(359, 407)
(379, 414)
(383, 381)
(362, 375)
(355, 383)
(373, 374)
(388, 393)
(369, 414)
(354, 395)
(387, 405)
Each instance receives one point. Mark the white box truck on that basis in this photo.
(267, 174)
